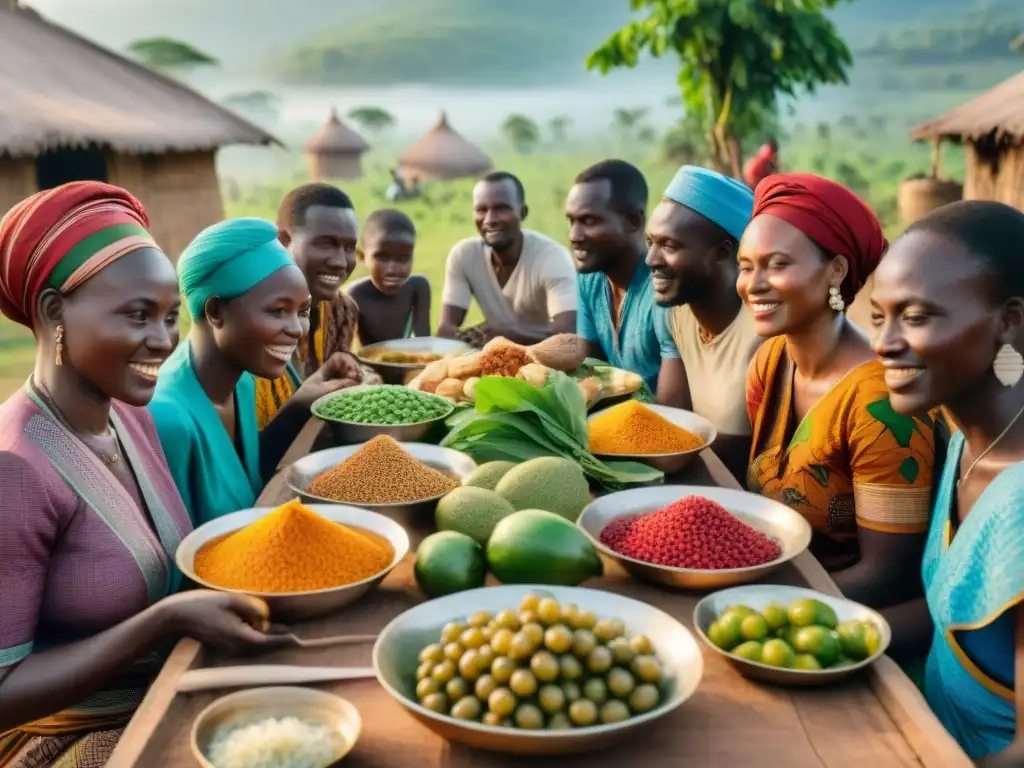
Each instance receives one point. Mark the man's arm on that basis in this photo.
(451, 321)
(673, 383)
(456, 297)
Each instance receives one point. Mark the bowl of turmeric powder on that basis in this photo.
(304, 561)
(663, 437)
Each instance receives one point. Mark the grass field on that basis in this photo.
(867, 156)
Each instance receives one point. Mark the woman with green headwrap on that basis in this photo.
(250, 308)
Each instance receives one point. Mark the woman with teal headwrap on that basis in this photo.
(250, 307)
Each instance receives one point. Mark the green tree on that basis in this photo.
(1018, 44)
(168, 54)
(261, 105)
(737, 58)
(522, 132)
(372, 119)
(558, 127)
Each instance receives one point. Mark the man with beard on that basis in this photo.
(708, 340)
(606, 210)
(523, 281)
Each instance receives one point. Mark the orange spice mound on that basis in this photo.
(631, 428)
(292, 549)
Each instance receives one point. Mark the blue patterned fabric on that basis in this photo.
(972, 586)
(634, 345)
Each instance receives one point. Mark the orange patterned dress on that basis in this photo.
(851, 462)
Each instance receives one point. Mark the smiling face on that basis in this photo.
(498, 212)
(683, 249)
(599, 234)
(324, 247)
(388, 258)
(937, 325)
(260, 330)
(783, 276)
(122, 324)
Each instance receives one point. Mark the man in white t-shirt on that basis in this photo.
(524, 282)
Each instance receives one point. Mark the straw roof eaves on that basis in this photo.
(998, 112)
(442, 149)
(335, 138)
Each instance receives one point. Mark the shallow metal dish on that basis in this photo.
(398, 645)
(789, 529)
(402, 373)
(758, 596)
(669, 463)
(299, 605)
(307, 704)
(351, 432)
(453, 463)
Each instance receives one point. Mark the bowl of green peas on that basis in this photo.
(358, 414)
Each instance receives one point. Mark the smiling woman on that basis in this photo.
(250, 309)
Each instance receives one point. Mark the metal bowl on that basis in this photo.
(758, 596)
(788, 528)
(351, 432)
(289, 606)
(402, 373)
(395, 658)
(669, 463)
(307, 704)
(453, 463)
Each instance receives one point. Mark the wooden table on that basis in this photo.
(877, 720)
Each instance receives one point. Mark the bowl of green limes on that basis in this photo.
(791, 635)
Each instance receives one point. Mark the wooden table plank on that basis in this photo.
(728, 721)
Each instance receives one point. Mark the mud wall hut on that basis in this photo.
(991, 127)
(442, 153)
(71, 110)
(335, 151)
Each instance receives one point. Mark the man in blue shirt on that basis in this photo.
(616, 314)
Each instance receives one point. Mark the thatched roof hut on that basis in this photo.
(991, 126)
(441, 153)
(72, 110)
(335, 151)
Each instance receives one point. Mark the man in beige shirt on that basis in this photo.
(524, 282)
(708, 338)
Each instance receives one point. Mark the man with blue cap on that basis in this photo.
(708, 338)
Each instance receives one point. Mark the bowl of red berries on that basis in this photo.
(695, 537)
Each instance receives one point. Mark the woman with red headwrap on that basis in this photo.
(89, 515)
(826, 439)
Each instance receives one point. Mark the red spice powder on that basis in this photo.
(693, 532)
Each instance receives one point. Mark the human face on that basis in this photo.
(388, 258)
(783, 277)
(260, 330)
(936, 325)
(325, 249)
(599, 234)
(122, 324)
(498, 213)
(680, 254)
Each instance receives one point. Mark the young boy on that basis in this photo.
(392, 303)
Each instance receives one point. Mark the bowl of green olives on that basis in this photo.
(537, 670)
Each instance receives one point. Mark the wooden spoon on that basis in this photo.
(325, 642)
(250, 675)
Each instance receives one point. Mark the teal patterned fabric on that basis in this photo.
(976, 582)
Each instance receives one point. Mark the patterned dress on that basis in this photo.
(851, 462)
(79, 553)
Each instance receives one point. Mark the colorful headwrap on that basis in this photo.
(832, 216)
(717, 198)
(61, 237)
(229, 259)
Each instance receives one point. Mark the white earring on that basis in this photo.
(835, 299)
(1008, 366)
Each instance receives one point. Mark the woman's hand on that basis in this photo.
(228, 622)
(339, 372)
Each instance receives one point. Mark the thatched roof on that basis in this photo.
(441, 153)
(999, 111)
(58, 89)
(335, 138)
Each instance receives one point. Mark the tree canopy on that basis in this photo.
(737, 58)
(372, 119)
(168, 54)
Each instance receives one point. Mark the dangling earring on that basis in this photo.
(1008, 366)
(59, 338)
(835, 299)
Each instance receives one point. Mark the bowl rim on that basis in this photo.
(411, 366)
(876, 617)
(399, 555)
(320, 401)
(573, 733)
(698, 490)
(370, 507)
(351, 711)
(711, 430)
